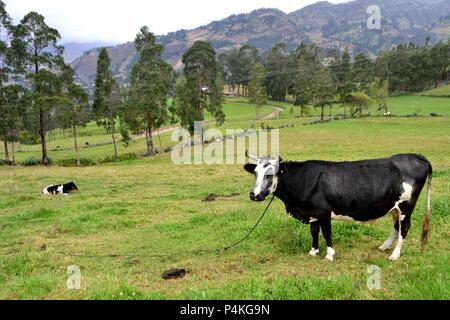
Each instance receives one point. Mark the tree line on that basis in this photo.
(312, 76)
(408, 68)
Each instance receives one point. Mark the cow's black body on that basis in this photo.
(316, 192)
(361, 190)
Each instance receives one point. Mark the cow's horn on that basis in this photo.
(279, 158)
(251, 157)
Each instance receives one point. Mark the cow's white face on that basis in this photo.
(266, 178)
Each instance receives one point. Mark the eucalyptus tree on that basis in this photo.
(150, 83)
(185, 111)
(323, 90)
(38, 57)
(379, 91)
(248, 57)
(277, 80)
(440, 60)
(256, 91)
(75, 110)
(307, 63)
(362, 72)
(203, 86)
(5, 33)
(302, 85)
(108, 97)
(234, 70)
(13, 99)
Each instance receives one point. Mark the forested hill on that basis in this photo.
(328, 25)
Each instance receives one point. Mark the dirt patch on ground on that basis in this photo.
(174, 274)
(214, 197)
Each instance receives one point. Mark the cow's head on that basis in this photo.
(265, 173)
(72, 186)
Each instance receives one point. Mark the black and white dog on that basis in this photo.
(60, 189)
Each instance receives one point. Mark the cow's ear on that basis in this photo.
(250, 168)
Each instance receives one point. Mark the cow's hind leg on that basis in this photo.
(404, 223)
(315, 230)
(394, 233)
(327, 234)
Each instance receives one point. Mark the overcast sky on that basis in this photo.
(117, 21)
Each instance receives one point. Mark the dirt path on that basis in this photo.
(277, 111)
(165, 130)
(274, 113)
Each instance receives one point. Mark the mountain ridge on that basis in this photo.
(328, 25)
(73, 49)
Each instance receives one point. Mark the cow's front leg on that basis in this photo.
(326, 231)
(315, 230)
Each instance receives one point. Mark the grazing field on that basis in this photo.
(443, 91)
(422, 106)
(96, 144)
(133, 220)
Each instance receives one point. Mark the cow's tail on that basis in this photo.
(427, 215)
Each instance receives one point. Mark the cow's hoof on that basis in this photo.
(314, 252)
(382, 248)
(330, 254)
(394, 257)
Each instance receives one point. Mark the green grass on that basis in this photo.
(400, 106)
(443, 91)
(422, 106)
(150, 215)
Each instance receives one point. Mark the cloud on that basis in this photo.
(117, 21)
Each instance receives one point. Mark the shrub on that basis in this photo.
(32, 161)
(128, 157)
(122, 157)
(28, 138)
(84, 162)
(168, 149)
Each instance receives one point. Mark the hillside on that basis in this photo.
(326, 24)
(73, 50)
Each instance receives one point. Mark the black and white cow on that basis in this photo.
(316, 192)
(60, 189)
